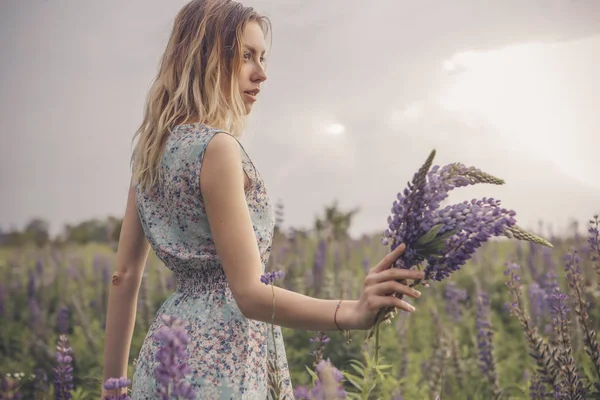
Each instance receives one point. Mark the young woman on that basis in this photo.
(198, 202)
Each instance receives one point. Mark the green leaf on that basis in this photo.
(354, 380)
(430, 235)
(312, 374)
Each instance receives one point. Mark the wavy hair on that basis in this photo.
(197, 79)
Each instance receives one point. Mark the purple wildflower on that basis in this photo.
(62, 320)
(474, 224)
(269, 277)
(172, 357)
(366, 264)
(454, 296)
(594, 240)
(39, 267)
(572, 384)
(329, 382)
(536, 389)
(321, 339)
(446, 238)
(9, 389)
(117, 384)
(537, 300)
(302, 393)
(63, 372)
(319, 265)
(31, 286)
(484, 340)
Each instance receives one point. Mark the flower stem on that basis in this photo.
(273, 333)
(377, 345)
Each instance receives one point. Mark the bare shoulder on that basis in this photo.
(221, 164)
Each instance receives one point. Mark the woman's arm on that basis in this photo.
(222, 187)
(132, 254)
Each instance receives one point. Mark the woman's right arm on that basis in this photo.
(222, 187)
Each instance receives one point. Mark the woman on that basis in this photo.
(198, 201)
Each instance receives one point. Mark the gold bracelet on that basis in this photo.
(346, 332)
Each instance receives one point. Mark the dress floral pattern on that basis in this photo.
(228, 352)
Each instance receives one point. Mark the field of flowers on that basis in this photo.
(517, 321)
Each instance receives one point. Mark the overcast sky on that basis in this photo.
(358, 94)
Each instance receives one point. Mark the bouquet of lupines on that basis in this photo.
(445, 238)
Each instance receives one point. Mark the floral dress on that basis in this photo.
(228, 352)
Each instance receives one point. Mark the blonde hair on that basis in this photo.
(197, 79)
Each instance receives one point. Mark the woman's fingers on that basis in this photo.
(389, 287)
(380, 302)
(389, 259)
(394, 274)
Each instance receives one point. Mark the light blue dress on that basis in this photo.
(227, 352)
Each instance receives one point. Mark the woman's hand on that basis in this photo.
(380, 284)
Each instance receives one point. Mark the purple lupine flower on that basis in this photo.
(329, 382)
(446, 238)
(39, 267)
(302, 393)
(319, 265)
(63, 372)
(454, 296)
(62, 320)
(321, 339)
(485, 340)
(172, 357)
(269, 277)
(475, 224)
(514, 284)
(9, 389)
(117, 384)
(366, 264)
(536, 389)
(31, 286)
(594, 238)
(537, 302)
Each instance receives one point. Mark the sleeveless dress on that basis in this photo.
(228, 352)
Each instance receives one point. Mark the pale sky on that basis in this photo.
(358, 94)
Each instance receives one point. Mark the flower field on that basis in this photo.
(516, 321)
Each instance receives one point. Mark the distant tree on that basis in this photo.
(336, 223)
(37, 231)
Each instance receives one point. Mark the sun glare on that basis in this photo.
(335, 129)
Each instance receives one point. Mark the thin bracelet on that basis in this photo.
(346, 332)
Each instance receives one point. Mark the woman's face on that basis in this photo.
(253, 72)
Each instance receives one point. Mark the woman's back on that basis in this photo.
(227, 351)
